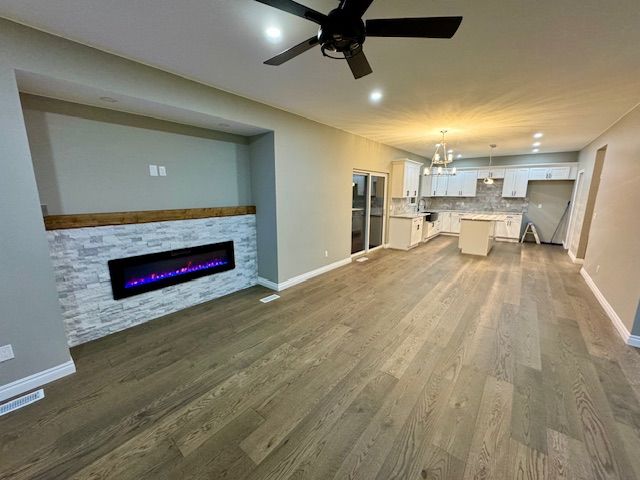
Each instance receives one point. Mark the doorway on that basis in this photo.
(368, 211)
(572, 216)
(591, 203)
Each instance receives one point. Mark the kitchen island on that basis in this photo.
(477, 233)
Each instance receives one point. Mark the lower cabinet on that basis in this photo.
(445, 221)
(431, 229)
(510, 228)
(405, 232)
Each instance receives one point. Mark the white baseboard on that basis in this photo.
(278, 287)
(36, 380)
(573, 258)
(629, 339)
(268, 283)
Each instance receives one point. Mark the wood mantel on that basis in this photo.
(82, 220)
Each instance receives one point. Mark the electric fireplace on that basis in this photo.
(144, 273)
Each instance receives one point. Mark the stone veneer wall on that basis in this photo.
(488, 199)
(80, 263)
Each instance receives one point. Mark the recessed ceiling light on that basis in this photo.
(375, 96)
(108, 99)
(535, 150)
(538, 135)
(535, 144)
(274, 34)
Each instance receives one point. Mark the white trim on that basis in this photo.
(278, 287)
(571, 228)
(629, 339)
(573, 258)
(267, 283)
(36, 380)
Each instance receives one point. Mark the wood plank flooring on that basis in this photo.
(414, 365)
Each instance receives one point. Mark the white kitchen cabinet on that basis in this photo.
(509, 228)
(431, 229)
(550, 173)
(455, 221)
(439, 185)
(463, 184)
(425, 185)
(491, 172)
(445, 221)
(405, 178)
(405, 232)
(515, 182)
(468, 183)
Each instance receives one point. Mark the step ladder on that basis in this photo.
(530, 230)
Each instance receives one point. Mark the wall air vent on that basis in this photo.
(20, 402)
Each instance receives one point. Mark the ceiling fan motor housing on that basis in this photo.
(342, 33)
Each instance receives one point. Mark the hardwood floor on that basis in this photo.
(414, 365)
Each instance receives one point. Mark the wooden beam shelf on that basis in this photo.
(83, 220)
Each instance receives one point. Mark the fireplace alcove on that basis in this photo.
(144, 273)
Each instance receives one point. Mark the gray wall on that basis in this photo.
(263, 190)
(552, 197)
(615, 229)
(557, 157)
(90, 160)
(30, 317)
(313, 162)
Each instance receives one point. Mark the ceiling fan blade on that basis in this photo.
(359, 65)
(433, 27)
(356, 7)
(293, 51)
(295, 8)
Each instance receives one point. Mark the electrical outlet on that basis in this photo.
(539, 205)
(153, 170)
(326, 253)
(597, 268)
(162, 170)
(6, 353)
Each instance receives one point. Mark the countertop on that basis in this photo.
(485, 217)
(410, 215)
(484, 212)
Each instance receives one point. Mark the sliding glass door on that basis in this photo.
(368, 200)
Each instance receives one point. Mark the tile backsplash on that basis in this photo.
(488, 199)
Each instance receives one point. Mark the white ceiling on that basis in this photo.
(569, 68)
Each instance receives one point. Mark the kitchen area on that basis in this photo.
(488, 204)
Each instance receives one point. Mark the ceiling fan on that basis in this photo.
(343, 31)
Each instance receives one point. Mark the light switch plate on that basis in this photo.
(162, 170)
(153, 170)
(6, 353)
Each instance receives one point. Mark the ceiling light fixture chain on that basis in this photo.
(441, 161)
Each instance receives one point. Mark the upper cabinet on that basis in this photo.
(463, 184)
(515, 182)
(405, 178)
(550, 173)
(491, 172)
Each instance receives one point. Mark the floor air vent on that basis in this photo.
(21, 402)
(270, 298)
(362, 259)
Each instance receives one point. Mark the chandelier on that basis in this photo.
(488, 180)
(440, 161)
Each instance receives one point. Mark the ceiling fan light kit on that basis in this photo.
(342, 32)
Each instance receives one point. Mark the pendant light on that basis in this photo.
(488, 180)
(442, 160)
